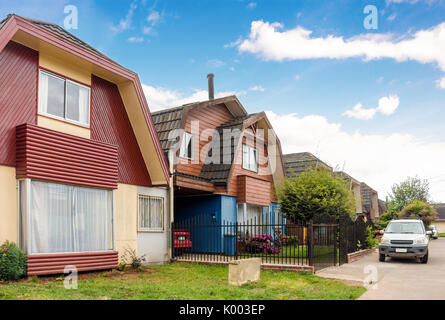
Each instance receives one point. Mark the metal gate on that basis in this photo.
(322, 242)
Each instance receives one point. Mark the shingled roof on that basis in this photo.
(219, 173)
(165, 121)
(441, 212)
(59, 31)
(366, 192)
(297, 163)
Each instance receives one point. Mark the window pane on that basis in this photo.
(187, 146)
(52, 91)
(151, 213)
(66, 218)
(77, 103)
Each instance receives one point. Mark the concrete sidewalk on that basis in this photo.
(397, 279)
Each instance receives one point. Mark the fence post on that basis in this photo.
(310, 248)
(336, 231)
(236, 240)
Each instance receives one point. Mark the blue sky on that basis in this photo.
(172, 45)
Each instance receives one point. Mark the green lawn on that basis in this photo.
(181, 281)
(442, 235)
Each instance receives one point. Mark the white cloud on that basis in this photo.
(378, 160)
(252, 5)
(154, 18)
(125, 24)
(392, 17)
(297, 77)
(162, 98)
(257, 88)
(234, 43)
(441, 83)
(136, 39)
(215, 63)
(387, 106)
(360, 113)
(270, 42)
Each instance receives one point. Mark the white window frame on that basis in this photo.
(151, 230)
(184, 146)
(248, 166)
(65, 119)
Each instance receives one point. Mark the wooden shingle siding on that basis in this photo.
(110, 124)
(18, 95)
(53, 156)
(210, 118)
(253, 191)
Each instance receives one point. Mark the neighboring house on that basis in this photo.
(82, 173)
(355, 187)
(219, 174)
(440, 221)
(370, 200)
(297, 163)
(382, 207)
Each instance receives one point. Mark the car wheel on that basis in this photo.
(382, 258)
(425, 258)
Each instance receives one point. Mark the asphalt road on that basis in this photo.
(400, 279)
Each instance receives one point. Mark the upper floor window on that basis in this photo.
(250, 160)
(63, 99)
(187, 146)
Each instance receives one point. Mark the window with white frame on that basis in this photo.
(60, 218)
(250, 160)
(151, 213)
(187, 146)
(63, 99)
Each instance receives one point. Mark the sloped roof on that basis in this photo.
(345, 176)
(165, 121)
(297, 163)
(41, 36)
(441, 211)
(59, 31)
(219, 173)
(366, 192)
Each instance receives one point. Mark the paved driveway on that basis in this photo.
(397, 278)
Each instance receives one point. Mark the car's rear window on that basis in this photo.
(404, 227)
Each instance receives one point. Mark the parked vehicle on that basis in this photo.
(182, 242)
(435, 232)
(405, 238)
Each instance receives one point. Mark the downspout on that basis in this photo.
(171, 206)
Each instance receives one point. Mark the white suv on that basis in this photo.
(405, 238)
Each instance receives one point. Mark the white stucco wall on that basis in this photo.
(154, 245)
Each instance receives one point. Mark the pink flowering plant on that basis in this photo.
(262, 243)
(12, 262)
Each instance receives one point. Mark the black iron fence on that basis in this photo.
(323, 242)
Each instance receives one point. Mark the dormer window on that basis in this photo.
(63, 99)
(250, 159)
(187, 146)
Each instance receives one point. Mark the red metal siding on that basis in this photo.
(18, 95)
(45, 264)
(50, 155)
(110, 124)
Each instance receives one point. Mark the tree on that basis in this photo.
(315, 192)
(406, 192)
(421, 210)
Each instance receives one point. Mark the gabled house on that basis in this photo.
(355, 188)
(297, 163)
(82, 173)
(440, 220)
(370, 200)
(226, 160)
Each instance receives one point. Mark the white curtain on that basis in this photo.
(67, 218)
(43, 92)
(151, 213)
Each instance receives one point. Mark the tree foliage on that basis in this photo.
(421, 210)
(408, 191)
(315, 192)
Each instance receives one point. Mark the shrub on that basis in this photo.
(131, 258)
(261, 243)
(12, 262)
(421, 210)
(371, 240)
